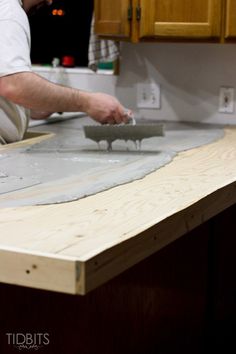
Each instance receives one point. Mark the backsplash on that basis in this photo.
(190, 76)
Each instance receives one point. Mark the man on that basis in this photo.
(24, 94)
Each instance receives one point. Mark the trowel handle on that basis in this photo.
(130, 115)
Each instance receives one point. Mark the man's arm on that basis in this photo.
(40, 95)
(39, 114)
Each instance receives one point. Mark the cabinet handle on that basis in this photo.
(130, 11)
(138, 13)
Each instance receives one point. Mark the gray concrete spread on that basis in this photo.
(69, 167)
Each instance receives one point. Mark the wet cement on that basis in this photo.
(68, 166)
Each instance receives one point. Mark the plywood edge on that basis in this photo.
(74, 276)
(110, 263)
(30, 138)
(45, 272)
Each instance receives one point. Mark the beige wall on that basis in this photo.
(189, 74)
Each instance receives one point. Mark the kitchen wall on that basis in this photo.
(190, 76)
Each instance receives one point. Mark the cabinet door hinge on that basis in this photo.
(130, 13)
(138, 13)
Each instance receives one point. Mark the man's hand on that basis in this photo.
(105, 108)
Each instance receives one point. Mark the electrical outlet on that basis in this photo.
(226, 100)
(148, 95)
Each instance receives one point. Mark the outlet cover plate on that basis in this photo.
(226, 99)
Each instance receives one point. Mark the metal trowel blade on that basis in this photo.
(124, 132)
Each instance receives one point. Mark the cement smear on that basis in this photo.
(69, 167)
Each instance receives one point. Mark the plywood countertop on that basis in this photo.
(75, 247)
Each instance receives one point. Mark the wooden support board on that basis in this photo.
(75, 247)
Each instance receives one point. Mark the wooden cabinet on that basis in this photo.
(230, 22)
(180, 18)
(113, 18)
(159, 19)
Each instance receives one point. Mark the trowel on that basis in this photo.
(129, 131)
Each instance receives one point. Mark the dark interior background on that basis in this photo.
(58, 36)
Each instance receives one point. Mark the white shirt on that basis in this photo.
(14, 58)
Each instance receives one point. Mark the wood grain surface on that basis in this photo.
(102, 235)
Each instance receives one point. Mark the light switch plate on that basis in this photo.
(149, 95)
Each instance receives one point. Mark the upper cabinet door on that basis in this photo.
(112, 18)
(230, 23)
(181, 18)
